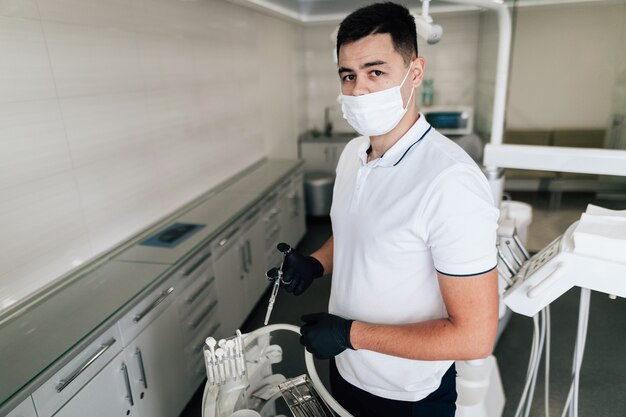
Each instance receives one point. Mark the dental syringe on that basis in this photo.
(276, 275)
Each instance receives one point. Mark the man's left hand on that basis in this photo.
(325, 335)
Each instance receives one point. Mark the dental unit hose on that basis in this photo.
(310, 367)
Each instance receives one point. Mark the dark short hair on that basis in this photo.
(387, 17)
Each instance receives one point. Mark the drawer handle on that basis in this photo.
(252, 214)
(129, 393)
(249, 252)
(102, 348)
(211, 331)
(244, 264)
(273, 213)
(195, 295)
(197, 264)
(152, 306)
(227, 238)
(202, 315)
(142, 370)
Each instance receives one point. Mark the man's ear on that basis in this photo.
(419, 64)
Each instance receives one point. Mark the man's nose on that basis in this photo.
(360, 87)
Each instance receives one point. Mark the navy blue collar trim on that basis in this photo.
(413, 144)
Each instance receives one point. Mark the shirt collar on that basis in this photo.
(396, 153)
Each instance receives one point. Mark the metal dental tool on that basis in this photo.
(278, 278)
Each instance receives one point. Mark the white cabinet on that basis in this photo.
(228, 266)
(74, 376)
(253, 240)
(272, 229)
(152, 353)
(150, 363)
(108, 394)
(25, 409)
(292, 219)
(157, 374)
(196, 303)
(321, 156)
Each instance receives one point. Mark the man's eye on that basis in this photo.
(349, 77)
(377, 73)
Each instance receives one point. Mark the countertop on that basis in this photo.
(339, 137)
(40, 336)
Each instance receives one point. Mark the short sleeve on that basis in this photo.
(460, 222)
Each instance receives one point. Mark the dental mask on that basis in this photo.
(375, 114)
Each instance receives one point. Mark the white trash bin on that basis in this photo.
(318, 193)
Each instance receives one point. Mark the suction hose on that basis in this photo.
(310, 367)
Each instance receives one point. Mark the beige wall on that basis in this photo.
(115, 113)
(564, 66)
(563, 70)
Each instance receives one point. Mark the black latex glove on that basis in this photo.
(325, 335)
(298, 271)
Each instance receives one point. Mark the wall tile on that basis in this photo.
(104, 127)
(119, 196)
(90, 60)
(19, 8)
(155, 102)
(165, 61)
(33, 144)
(43, 222)
(107, 13)
(24, 65)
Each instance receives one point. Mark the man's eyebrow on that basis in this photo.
(373, 64)
(366, 65)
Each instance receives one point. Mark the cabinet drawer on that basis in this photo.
(198, 265)
(55, 392)
(272, 239)
(193, 350)
(199, 317)
(273, 258)
(225, 240)
(140, 316)
(25, 409)
(196, 293)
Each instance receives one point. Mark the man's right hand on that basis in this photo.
(298, 272)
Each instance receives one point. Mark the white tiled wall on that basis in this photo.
(113, 113)
(451, 64)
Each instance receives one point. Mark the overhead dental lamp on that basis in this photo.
(425, 27)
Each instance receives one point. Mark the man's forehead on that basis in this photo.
(378, 47)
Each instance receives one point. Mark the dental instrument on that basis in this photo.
(256, 388)
(278, 279)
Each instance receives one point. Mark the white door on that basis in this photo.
(108, 394)
(157, 372)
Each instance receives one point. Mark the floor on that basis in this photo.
(603, 380)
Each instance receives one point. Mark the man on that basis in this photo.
(412, 256)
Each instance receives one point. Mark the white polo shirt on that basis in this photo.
(423, 207)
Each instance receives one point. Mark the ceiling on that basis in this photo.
(323, 11)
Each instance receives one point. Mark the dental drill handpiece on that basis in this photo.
(285, 249)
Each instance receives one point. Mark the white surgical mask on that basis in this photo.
(375, 114)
